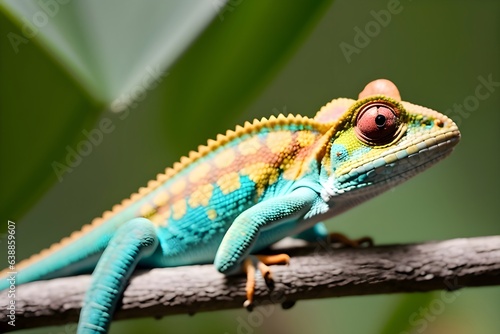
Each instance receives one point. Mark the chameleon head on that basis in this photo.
(380, 141)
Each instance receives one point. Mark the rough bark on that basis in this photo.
(315, 271)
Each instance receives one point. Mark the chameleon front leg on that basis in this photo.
(132, 241)
(244, 231)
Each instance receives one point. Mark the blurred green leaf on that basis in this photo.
(229, 64)
(40, 110)
(108, 45)
(91, 57)
(407, 314)
(410, 51)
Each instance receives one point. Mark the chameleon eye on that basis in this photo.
(377, 123)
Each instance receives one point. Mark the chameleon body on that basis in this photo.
(247, 189)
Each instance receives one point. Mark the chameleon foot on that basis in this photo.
(345, 241)
(267, 260)
(263, 261)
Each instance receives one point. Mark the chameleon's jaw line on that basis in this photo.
(394, 167)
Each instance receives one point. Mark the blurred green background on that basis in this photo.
(181, 72)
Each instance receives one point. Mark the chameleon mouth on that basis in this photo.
(399, 165)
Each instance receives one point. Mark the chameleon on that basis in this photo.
(251, 187)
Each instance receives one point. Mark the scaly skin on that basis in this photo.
(248, 189)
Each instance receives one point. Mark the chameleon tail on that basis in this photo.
(73, 255)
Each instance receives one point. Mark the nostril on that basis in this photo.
(439, 123)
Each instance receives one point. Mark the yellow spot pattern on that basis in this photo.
(293, 172)
(211, 214)
(229, 182)
(278, 141)
(170, 173)
(199, 172)
(250, 146)
(255, 171)
(305, 138)
(178, 187)
(161, 199)
(262, 174)
(179, 209)
(146, 210)
(224, 159)
(201, 196)
(161, 219)
(273, 175)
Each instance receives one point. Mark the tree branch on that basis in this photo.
(315, 271)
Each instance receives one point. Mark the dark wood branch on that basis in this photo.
(315, 271)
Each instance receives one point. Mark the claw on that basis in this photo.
(262, 264)
(265, 260)
(249, 269)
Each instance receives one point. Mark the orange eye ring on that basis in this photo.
(378, 123)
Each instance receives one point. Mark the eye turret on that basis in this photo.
(377, 123)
